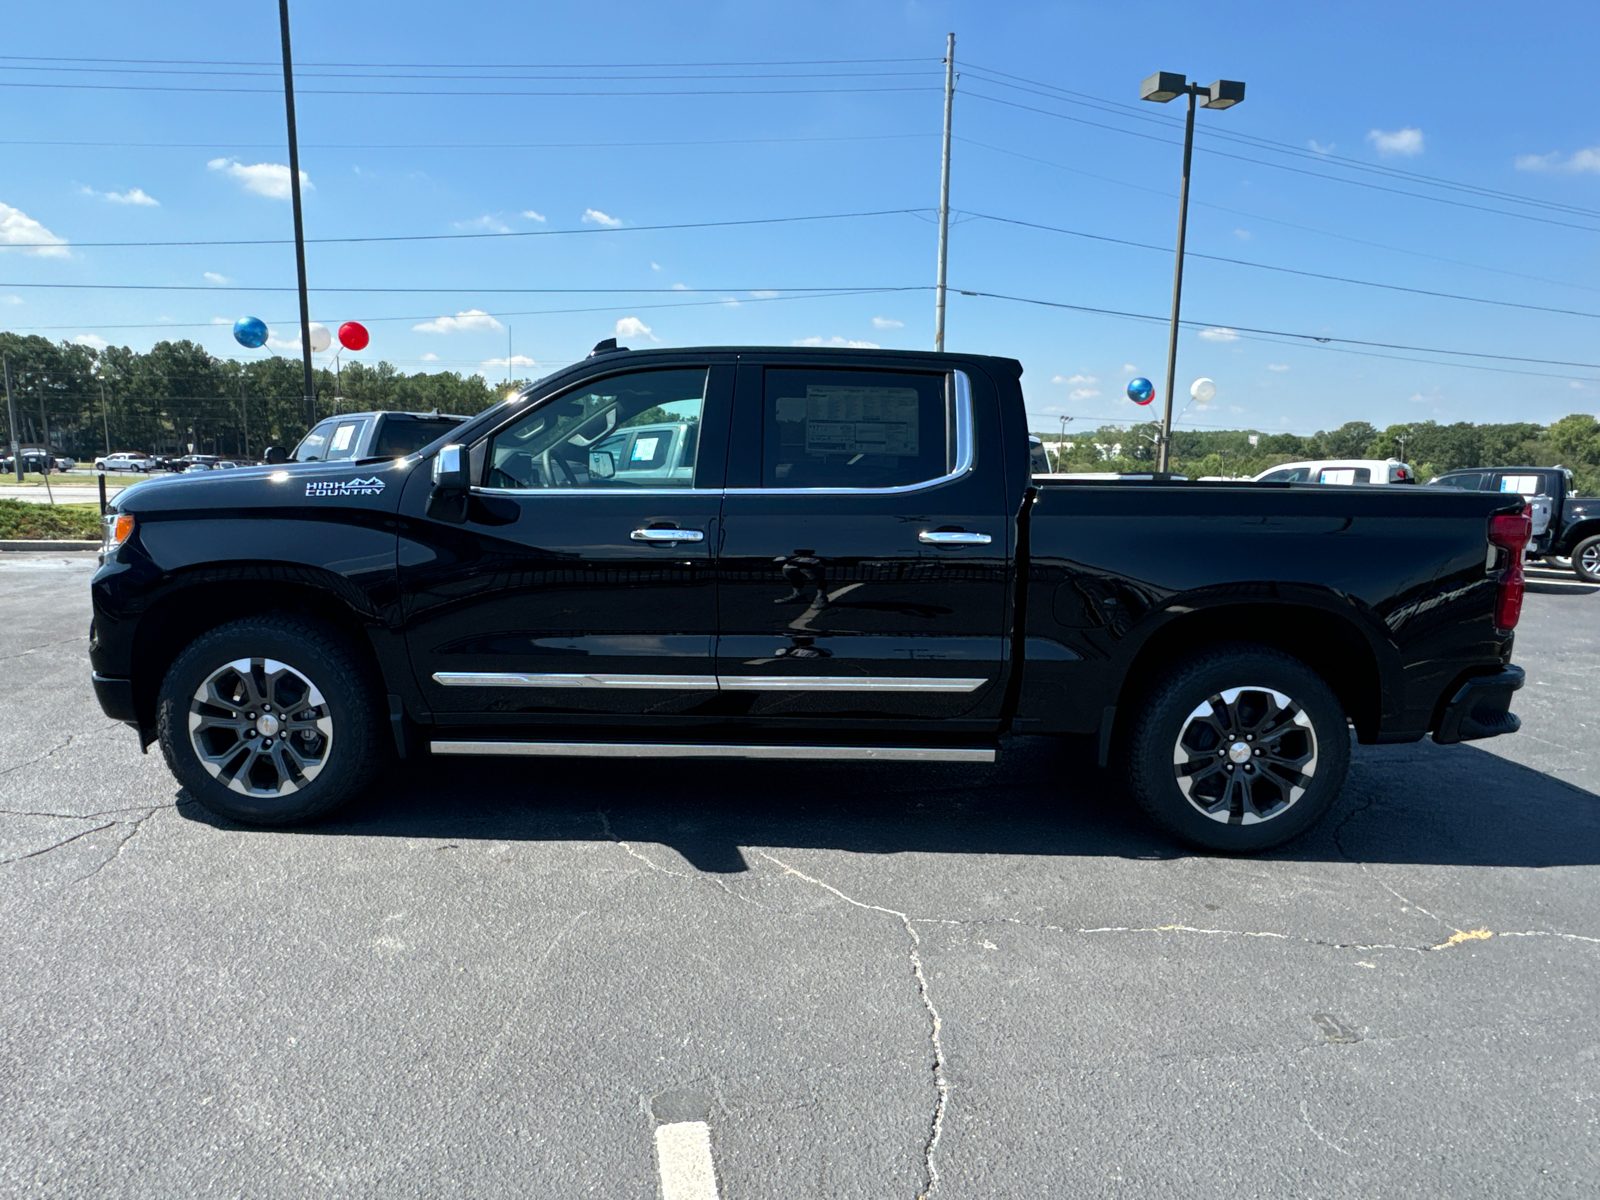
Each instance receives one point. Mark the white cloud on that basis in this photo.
(880, 322)
(264, 179)
(774, 295)
(1277, 366)
(534, 216)
(593, 216)
(131, 196)
(1235, 409)
(1242, 234)
(10, 299)
(835, 341)
(17, 228)
(430, 356)
(655, 266)
(473, 320)
(289, 345)
(1580, 161)
(1407, 142)
(1130, 368)
(489, 223)
(1079, 378)
(89, 339)
(729, 302)
(1318, 148)
(517, 360)
(1083, 393)
(213, 277)
(632, 327)
(1219, 335)
(680, 287)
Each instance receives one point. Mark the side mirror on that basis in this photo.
(602, 464)
(275, 456)
(451, 468)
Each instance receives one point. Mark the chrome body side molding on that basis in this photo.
(677, 683)
(845, 683)
(710, 683)
(971, 754)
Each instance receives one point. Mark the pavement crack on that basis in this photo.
(82, 637)
(1305, 1119)
(941, 1083)
(58, 845)
(53, 749)
(134, 827)
(699, 877)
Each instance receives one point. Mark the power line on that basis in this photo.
(212, 62)
(459, 237)
(1239, 212)
(1134, 112)
(1297, 338)
(1242, 262)
(1285, 167)
(497, 94)
(435, 291)
(495, 146)
(234, 73)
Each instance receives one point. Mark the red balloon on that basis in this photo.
(353, 336)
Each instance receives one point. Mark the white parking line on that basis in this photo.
(683, 1152)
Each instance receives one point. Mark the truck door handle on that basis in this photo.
(667, 535)
(953, 537)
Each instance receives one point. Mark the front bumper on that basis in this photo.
(1481, 708)
(116, 698)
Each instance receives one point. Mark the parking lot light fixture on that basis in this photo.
(1160, 88)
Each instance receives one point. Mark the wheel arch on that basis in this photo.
(1581, 532)
(1332, 645)
(197, 602)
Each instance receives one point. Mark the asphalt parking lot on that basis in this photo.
(493, 979)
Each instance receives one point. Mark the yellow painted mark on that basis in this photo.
(1465, 935)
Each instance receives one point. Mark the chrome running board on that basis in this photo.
(972, 754)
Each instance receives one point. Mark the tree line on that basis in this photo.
(1432, 448)
(176, 395)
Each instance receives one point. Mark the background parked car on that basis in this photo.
(1340, 470)
(124, 460)
(1564, 525)
(36, 460)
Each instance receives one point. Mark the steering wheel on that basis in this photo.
(547, 474)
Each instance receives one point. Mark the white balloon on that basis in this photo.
(1203, 390)
(321, 339)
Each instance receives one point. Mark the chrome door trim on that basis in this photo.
(529, 493)
(953, 537)
(715, 750)
(966, 455)
(674, 536)
(680, 683)
(845, 683)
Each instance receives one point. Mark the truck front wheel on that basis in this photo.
(269, 720)
(1238, 749)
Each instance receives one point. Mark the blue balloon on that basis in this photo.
(250, 331)
(1141, 391)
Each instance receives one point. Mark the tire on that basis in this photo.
(234, 756)
(1586, 559)
(1181, 762)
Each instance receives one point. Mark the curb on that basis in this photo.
(46, 544)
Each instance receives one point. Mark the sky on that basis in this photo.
(1447, 149)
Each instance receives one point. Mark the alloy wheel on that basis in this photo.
(260, 727)
(1245, 755)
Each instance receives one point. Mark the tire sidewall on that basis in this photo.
(314, 657)
(1168, 706)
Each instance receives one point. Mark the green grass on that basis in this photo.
(25, 519)
(63, 479)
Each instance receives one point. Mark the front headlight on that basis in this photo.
(115, 528)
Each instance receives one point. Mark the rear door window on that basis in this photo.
(1469, 481)
(855, 429)
(1523, 485)
(1288, 475)
(399, 436)
(344, 441)
(1344, 475)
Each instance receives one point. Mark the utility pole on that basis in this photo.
(944, 192)
(299, 224)
(244, 415)
(1164, 449)
(49, 455)
(11, 413)
(105, 416)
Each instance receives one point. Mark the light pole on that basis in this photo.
(1061, 441)
(299, 224)
(1224, 93)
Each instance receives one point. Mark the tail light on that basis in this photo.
(1510, 532)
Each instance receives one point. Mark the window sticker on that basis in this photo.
(644, 449)
(1345, 475)
(857, 420)
(341, 438)
(1524, 485)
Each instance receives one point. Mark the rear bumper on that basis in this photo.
(116, 698)
(1481, 708)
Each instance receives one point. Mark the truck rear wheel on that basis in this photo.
(1238, 749)
(1586, 560)
(269, 720)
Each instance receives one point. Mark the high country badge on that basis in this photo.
(344, 487)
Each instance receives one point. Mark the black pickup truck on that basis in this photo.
(795, 554)
(1564, 525)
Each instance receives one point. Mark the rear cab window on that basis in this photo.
(399, 436)
(855, 429)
